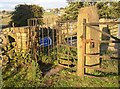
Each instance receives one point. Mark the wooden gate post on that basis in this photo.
(119, 50)
(90, 14)
(81, 50)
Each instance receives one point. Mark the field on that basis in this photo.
(47, 15)
(6, 19)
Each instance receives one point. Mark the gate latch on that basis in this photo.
(92, 44)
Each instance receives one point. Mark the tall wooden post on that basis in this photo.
(83, 33)
(119, 50)
(1, 42)
(81, 50)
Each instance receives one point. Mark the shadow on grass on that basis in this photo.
(103, 74)
(44, 67)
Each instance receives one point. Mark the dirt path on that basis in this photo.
(54, 70)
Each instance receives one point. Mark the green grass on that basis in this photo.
(48, 13)
(1, 78)
(67, 79)
(49, 17)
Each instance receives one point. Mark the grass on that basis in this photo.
(48, 14)
(0, 79)
(49, 17)
(68, 79)
(108, 77)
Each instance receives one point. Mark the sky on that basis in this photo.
(46, 4)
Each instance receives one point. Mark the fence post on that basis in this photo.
(119, 50)
(81, 50)
(1, 41)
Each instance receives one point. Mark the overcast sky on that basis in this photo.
(10, 4)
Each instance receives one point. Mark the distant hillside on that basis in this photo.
(50, 17)
(6, 18)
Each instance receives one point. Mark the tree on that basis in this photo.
(71, 11)
(105, 9)
(3, 11)
(109, 9)
(56, 11)
(24, 12)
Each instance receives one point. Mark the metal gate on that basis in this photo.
(43, 40)
(60, 43)
(114, 55)
(67, 44)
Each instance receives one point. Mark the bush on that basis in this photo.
(21, 70)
